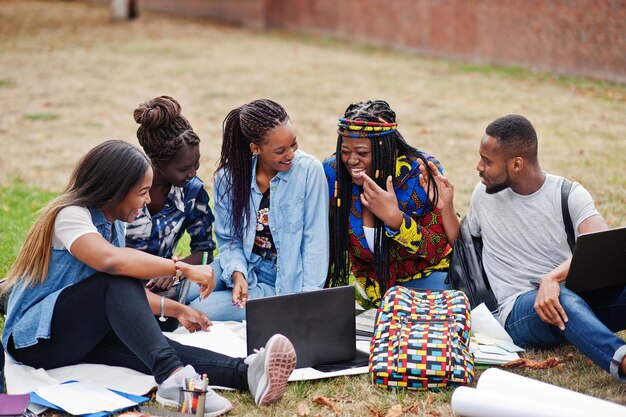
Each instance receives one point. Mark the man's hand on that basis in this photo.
(193, 320)
(547, 302)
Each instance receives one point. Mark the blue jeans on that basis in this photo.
(106, 320)
(593, 317)
(435, 281)
(219, 304)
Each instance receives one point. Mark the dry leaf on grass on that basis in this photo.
(395, 411)
(303, 409)
(325, 401)
(550, 362)
(374, 412)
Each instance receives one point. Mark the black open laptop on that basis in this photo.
(320, 324)
(599, 261)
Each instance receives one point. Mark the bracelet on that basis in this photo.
(162, 318)
(178, 272)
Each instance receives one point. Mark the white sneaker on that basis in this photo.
(269, 369)
(168, 394)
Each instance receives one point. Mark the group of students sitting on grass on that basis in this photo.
(86, 285)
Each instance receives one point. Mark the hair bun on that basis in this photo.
(157, 112)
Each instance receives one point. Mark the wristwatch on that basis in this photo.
(162, 317)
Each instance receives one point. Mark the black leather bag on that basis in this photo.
(466, 270)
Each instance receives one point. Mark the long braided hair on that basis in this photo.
(386, 147)
(244, 125)
(163, 130)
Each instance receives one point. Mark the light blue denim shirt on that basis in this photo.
(29, 312)
(298, 219)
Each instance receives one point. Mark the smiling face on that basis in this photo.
(276, 153)
(356, 155)
(493, 166)
(182, 167)
(130, 206)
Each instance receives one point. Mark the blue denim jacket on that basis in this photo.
(298, 219)
(29, 312)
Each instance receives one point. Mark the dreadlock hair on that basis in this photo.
(244, 125)
(386, 147)
(105, 175)
(163, 130)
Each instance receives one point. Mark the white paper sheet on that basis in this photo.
(484, 322)
(220, 339)
(501, 382)
(470, 402)
(504, 394)
(83, 398)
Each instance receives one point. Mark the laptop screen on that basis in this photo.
(320, 324)
(599, 261)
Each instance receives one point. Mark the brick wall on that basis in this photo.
(570, 37)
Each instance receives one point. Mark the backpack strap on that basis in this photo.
(566, 187)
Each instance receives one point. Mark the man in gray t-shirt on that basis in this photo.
(516, 209)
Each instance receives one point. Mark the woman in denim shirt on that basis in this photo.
(271, 212)
(77, 294)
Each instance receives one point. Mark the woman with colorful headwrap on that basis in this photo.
(384, 229)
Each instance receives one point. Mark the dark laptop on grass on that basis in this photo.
(599, 261)
(320, 324)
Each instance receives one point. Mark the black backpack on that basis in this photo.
(466, 271)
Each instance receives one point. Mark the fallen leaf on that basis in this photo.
(550, 362)
(325, 401)
(374, 412)
(412, 409)
(303, 409)
(395, 411)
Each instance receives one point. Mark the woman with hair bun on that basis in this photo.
(385, 229)
(178, 203)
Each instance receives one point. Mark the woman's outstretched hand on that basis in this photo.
(444, 185)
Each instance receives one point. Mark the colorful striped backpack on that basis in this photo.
(421, 340)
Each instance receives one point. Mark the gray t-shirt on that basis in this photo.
(524, 236)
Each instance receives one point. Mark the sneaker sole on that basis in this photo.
(280, 363)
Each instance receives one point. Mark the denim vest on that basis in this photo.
(298, 220)
(29, 312)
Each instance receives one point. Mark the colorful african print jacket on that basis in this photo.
(418, 248)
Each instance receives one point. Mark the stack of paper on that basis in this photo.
(490, 343)
(504, 394)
